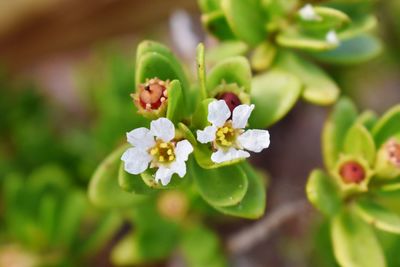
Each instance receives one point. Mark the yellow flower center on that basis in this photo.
(226, 135)
(163, 152)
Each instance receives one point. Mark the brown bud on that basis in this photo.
(231, 99)
(352, 172)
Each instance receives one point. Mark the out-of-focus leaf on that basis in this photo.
(293, 38)
(356, 50)
(377, 215)
(341, 119)
(368, 118)
(132, 183)
(225, 50)
(252, 206)
(273, 94)
(225, 186)
(355, 243)
(245, 19)
(319, 88)
(328, 19)
(359, 142)
(323, 193)
(216, 24)
(388, 126)
(263, 56)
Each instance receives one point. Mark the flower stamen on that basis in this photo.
(152, 94)
(225, 135)
(163, 152)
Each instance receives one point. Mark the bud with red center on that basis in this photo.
(352, 172)
(231, 99)
(151, 95)
(387, 165)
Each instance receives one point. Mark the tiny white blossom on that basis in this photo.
(228, 136)
(332, 38)
(308, 13)
(157, 148)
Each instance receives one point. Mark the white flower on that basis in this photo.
(228, 136)
(308, 13)
(156, 146)
(332, 38)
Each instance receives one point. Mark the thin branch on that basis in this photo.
(261, 230)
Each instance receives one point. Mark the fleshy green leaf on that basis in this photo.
(202, 154)
(319, 88)
(388, 126)
(225, 50)
(368, 118)
(199, 120)
(176, 181)
(355, 50)
(354, 242)
(323, 193)
(252, 206)
(150, 47)
(225, 186)
(377, 216)
(209, 5)
(328, 19)
(293, 38)
(341, 119)
(263, 56)
(176, 103)
(231, 70)
(216, 24)
(103, 188)
(245, 19)
(132, 183)
(359, 142)
(273, 94)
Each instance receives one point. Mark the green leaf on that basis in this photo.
(176, 181)
(216, 24)
(377, 216)
(225, 186)
(202, 154)
(355, 50)
(150, 47)
(333, 136)
(323, 193)
(176, 103)
(231, 70)
(359, 142)
(387, 127)
(209, 5)
(103, 188)
(263, 56)
(252, 206)
(355, 243)
(201, 247)
(132, 183)
(225, 50)
(274, 94)
(368, 118)
(155, 65)
(319, 88)
(201, 70)
(328, 19)
(294, 38)
(246, 20)
(199, 119)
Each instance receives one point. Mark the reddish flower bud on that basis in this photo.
(393, 150)
(352, 172)
(231, 99)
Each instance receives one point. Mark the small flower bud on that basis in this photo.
(352, 172)
(231, 99)
(151, 94)
(172, 205)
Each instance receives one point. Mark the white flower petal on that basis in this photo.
(141, 137)
(207, 135)
(136, 160)
(179, 167)
(231, 154)
(164, 175)
(163, 128)
(332, 38)
(182, 150)
(218, 112)
(241, 115)
(308, 13)
(254, 140)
